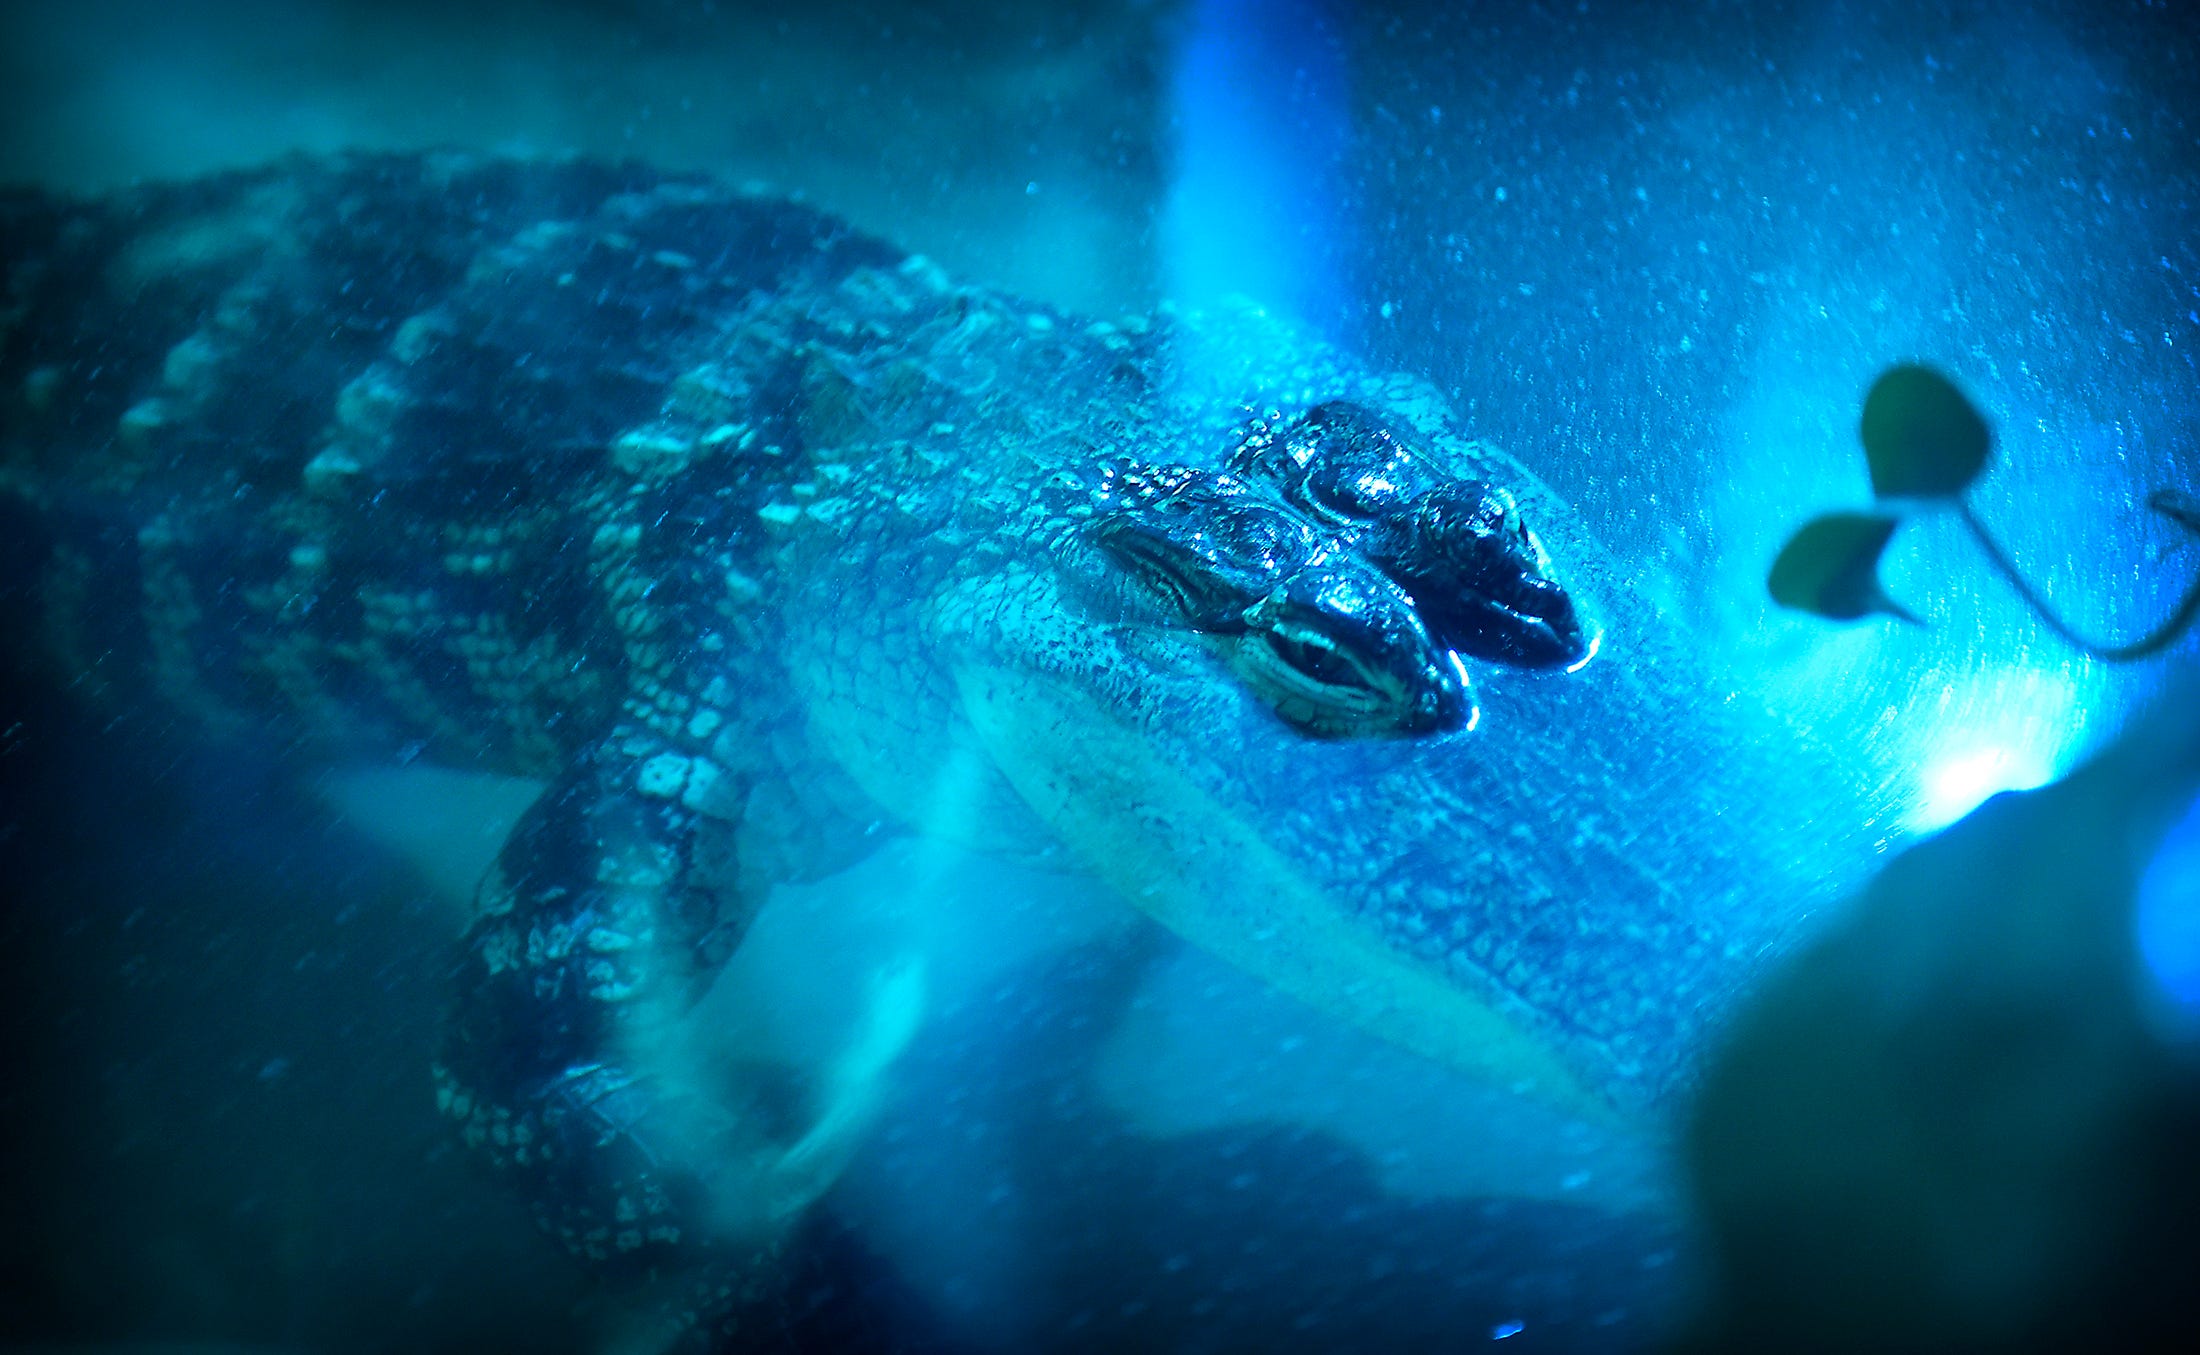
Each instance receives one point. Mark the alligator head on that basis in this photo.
(1129, 625)
(1329, 641)
(1459, 547)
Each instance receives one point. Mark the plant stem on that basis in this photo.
(2159, 639)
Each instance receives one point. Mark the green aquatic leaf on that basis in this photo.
(1922, 438)
(1830, 568)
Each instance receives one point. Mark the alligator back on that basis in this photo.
(435, 454)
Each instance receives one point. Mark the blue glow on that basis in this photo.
(1261, 124)
(2169, 914)
(1954, 786)
(2002, 729)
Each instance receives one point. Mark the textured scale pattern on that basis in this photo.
(751, 537)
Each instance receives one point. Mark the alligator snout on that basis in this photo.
(1478, 577)
(1341, 574)
(1481, 579)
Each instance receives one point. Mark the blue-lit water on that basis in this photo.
(1657, 252)
(1665, 256)
(2169, 923)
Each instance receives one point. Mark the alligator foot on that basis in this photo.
(575, 1063)
(852, 1092)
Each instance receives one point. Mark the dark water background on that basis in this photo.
(1657, 251)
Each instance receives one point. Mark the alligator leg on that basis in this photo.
(569, 1064)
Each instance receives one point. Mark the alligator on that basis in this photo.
(757, 541)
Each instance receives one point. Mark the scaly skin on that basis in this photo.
(749, 534)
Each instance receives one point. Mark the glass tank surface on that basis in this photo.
(985, 677)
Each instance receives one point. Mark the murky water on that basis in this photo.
(1657, 253)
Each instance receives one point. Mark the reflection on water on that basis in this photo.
(2012, 730)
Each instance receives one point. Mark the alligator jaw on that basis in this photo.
(1570, 900)
(1167, 846)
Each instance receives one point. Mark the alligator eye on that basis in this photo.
(1158, 574)
(1337, 650)
(1317, 659)
(1206, 549)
